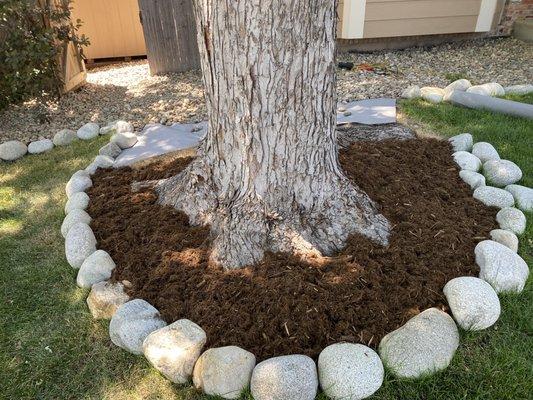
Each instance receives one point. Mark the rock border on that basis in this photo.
(424, 345)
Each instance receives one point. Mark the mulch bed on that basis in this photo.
(284, 305)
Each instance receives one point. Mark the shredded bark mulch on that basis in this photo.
(284, 305)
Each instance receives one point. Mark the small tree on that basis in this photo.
(268, 176)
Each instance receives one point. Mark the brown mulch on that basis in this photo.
(285, 305)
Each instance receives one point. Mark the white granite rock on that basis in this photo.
(519, 89)
(488, 89)
(507, 238)
(105, 298)
(473, 302)
(224, 371)
(467, 161)
(78, 201)
(111, 150)
(432, 94)
(412, 92)
(523, 197)
(472, 179)
(462, 142)
(461, 85)
(494, 197)
(485, 152)
(124, 140)
(80, 243)
(40, 146)
(88, 131)
(12, 150)
(117, 127)
(500, 266)
(501, 172)
(79, 182)
(64, 137)
(132, 323)
(174, 349)
(349, 371)
(512, 219)
(96, 268)
(99, 162)
(291, 377)
(74, 217)
(424, 345)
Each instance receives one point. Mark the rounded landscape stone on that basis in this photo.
(12, 150)
(523, 197)
(412, 92)
(462, 142)
(512, 219)
(224, 371)
(472, 179)
(79, 182)
(111, 150)
(88, 131)
(76, 216)
(78, 201)
(500, 266)
(505, 237)
(460, 85)
(485, 152)
(105, 298)
(96, 268)
(124, 140)
(349, 371)
(174, 349)
(99, 162)
(473, 302)
(64, 137)
(132, 323)
(40, 146)
(432, 94)
(117, 127)
(501, 172)
(291, 377)
(424, 345)
(80, 243)
(488, 89)
(467, 161)
(494, 197)
(519, 89)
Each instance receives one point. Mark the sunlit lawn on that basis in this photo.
(51, 348)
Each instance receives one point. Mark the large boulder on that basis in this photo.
(291, 377)
(412, 92)
(124, 140)
(507, 238)
(78, 201)
(432, 94)
(111, 150)
(40, 146)
(473, 302)
(80, 243)
(132, 323)
(472, 179)
(500, 266)
(485, 152)
(502, 172)
(494, 197)
(12, 150)
(224, 371)
(105, 298)
(88, 131)
(467, 161)
(174, 349)
(96, 268)
(488, 89)
(512, 219)
(424, 345)
(460, 85)
(349, 371)
(74, 217)
(462, 142)
(79, 182)
(64, 137)
(523, 197)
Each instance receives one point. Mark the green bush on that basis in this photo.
(32, 33)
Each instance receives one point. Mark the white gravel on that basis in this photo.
(127, 91)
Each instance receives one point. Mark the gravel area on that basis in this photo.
(127, 91)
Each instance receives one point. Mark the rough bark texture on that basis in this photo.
(268, 176)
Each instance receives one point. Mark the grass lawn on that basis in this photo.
(51, 348)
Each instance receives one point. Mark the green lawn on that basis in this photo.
(52, 349)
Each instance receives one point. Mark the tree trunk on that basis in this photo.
(268, 177)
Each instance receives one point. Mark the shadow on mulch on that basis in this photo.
(284, 305)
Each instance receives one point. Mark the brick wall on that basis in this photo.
(514, 9)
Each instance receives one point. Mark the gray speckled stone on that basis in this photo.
(473, 302)
(96, 268)
(117, 127)
(78, 201)
(88, 131)
(505, 270)
(79, 182)
(507, 238)
(512, 219)
(501, 172)
(349, 371)
(424, 345)
(485, 152)
(12, 150)
(80, 243)
(74, 217)
(523, 196)
(412, 92)
(124, 140)
(519, 89)
(40, 146)
(64, 137)
(467, 161)
(174, 349)
(105, 298)
(494, 197)
(99, 162)
(291, 377)
(132, 323)
(111, 150)
(472, 179)
(224, 371)
(462, 142)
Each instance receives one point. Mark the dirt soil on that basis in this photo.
(285, 305)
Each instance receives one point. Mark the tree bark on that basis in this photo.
(267, 177)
